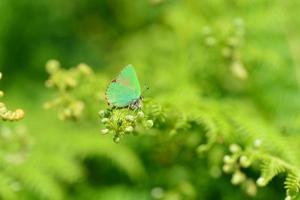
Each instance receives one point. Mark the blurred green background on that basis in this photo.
(230, 52)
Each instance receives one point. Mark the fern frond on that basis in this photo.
(269, 169)
(292, 185)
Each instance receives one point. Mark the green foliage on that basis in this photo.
(28, 170)
(217, 127)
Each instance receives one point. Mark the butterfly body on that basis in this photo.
(125, 90)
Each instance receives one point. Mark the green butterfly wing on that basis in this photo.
(124, 89)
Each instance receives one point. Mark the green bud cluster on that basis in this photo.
(234, 164)
(231, 51)
(229, 44)
(76, 87)
(120, 122)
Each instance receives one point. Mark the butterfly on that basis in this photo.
(125, 90)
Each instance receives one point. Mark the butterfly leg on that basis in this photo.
(135, 105)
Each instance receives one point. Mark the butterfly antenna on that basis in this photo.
(146, 88)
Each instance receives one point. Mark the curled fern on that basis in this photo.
(6, 114)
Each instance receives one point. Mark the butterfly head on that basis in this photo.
(137, 104)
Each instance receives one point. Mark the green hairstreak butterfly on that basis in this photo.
(125, 90)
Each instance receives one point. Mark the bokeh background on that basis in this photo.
(227, 52)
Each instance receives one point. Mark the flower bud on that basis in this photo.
(244, 161)
(104, 131)
(101, 113)
(251, 188)
(84, 69)
(227, 168)
(234, 148)
(104, 120)
(227, 159)
(116, 139)
(140, 114)
(237, 178)
(52, 66)
(149, 123)
(129, 118)
(19, 114)
(129, 129)
(261, 182)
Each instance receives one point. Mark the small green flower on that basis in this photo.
(104, 131)
(125, 121)
(227, 159)
(251, 188)
(129, 129)
(116, 139)
(261, 182)
(244, 161)
(52, 66)
(140, 114)
(129, 118)
(227, 168)
(85, 69)
(234, 148)
(238, 177)
(149, 123)
(101, 113)
(105, 120)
